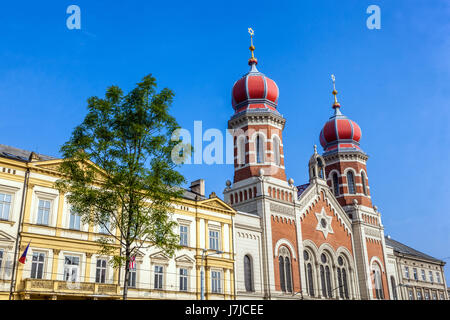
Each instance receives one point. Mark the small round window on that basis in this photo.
(323, 222)
(323, 257)
(340, 261)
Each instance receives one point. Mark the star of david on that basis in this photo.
(324, 223)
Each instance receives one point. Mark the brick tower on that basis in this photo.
(346, 174)
(260, 181)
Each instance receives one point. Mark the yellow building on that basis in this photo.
(63, 260)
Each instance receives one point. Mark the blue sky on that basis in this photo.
(394, 82)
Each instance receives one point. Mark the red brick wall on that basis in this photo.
(247, 172)
(357, 167)
(285, 229)
(375, 249)
(339, 238)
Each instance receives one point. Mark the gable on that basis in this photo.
(217, 204)
(324, 221)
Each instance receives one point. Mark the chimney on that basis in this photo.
(198, 187)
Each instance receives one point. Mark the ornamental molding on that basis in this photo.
(372, 233)
(345, 156)
(324, 223)
(281, 209)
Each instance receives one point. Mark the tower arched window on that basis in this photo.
(248, 273)
(351, 182)
(259, 149)
(335, 184)
(309, 273)
(320, 166)
(377, 282)
(363, 179)
(284, 261)
(241, 151)
(276, 151)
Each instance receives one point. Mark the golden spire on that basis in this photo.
(336, 103)
(252, 60)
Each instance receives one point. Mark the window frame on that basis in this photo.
(216, 281)
(48, 210)
(184, 280)
(103, 270)
(78, 268)
(186, 244)
(213, 239)
(36, 264)
(74, 214)
(351, 186)
(3, 205)
(158, 277)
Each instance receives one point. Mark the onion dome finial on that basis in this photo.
(339, 133)
(252, 60)
(336, 104)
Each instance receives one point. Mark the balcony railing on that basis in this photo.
(58, 287)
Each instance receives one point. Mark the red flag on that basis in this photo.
(132, 264)
(23, 257)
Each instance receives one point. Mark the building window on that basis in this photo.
(434, 295)
(441, 296)
(43, 212)
(309, 273)
(248, 273)
(415, 274)
(132, 277)
(184, 235)
(438, 277)
(419, 294)
(427, 295)
(37, 265)
(183, 279)
(159, 272)
(104, 227)
(5, 206)
(325, 277)
(378, 284)
(424, 278)
(351, 182)
(406, 272)
(100, 272)
(71, 268)
(363, 179)
(335, 184)
(259, 150)
(216, 285)
(276, 151)
(284, 260)
(75, 220)
(1, 259)
(342, 278)
(430, 273)
(394, 288)
(410, 294)
(214, 239)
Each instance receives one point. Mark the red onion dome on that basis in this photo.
(254, 91)
(340, 133)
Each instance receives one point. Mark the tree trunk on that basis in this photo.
(127, 274)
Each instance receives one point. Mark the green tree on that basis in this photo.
(118, 172)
